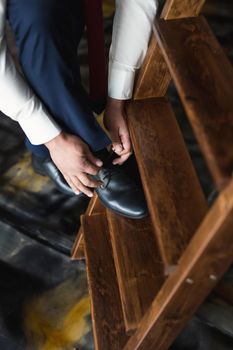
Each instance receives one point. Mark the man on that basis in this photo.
(54, 111)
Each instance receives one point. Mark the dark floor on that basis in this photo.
(44, 300)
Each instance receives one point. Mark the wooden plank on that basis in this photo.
(174, 9)
(154, 77)
(78, 249)
(138, 264)
(206, 259)
(95, 206)
(174, 196)
(107, 317)
(204, 79)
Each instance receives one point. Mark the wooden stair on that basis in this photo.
(208, 256)
(78, 249)
(204, 79)
(107, 316)
(174, 196)
(138, 264)
(148, 277)
(154, 76)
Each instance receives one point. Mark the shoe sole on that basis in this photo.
(124, 215)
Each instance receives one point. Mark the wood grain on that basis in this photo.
(174, 9)
(107, 317)
(204, 79)
(208, 256)
(174, 196)
(154, 77)
(78, 249)
(138, 264)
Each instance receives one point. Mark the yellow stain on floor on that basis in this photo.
(21, 176)
(57, 320)
(74, 327)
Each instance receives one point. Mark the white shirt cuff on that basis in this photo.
(120, 83)
(39, 127)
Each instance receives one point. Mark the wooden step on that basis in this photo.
(78, 249)
(174, 196)
(206, 259)
(204, 79)
(107, 317)
(138, 265)
(154, 77)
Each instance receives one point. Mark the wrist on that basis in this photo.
(115, 104)
(55, 141)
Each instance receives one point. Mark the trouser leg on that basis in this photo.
(47, 34)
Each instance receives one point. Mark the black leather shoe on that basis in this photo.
(46, 167)
(120, 193)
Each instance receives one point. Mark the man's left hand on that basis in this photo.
(115, 123)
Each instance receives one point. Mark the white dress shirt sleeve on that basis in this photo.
(16, 98)
(131, 33)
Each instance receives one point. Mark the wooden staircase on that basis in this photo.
(148, 277)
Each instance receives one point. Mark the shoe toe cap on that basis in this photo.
(131, 205)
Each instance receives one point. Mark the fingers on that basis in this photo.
(81, 183)
(126, 150)
(72, 185)
(86, 181)
(121, 149)
(120, 160)
(88, 167)
(82, 188)
(123, 144)
(125, 139)
(117, 147)
(92, 159)
(91, 164)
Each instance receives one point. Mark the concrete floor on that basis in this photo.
(44, 303)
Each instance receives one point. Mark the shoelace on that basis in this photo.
(107, 173)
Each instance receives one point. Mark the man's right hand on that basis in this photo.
(75, 161)
(115, 123)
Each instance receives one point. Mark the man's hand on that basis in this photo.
(115, 123)
(75, 161)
